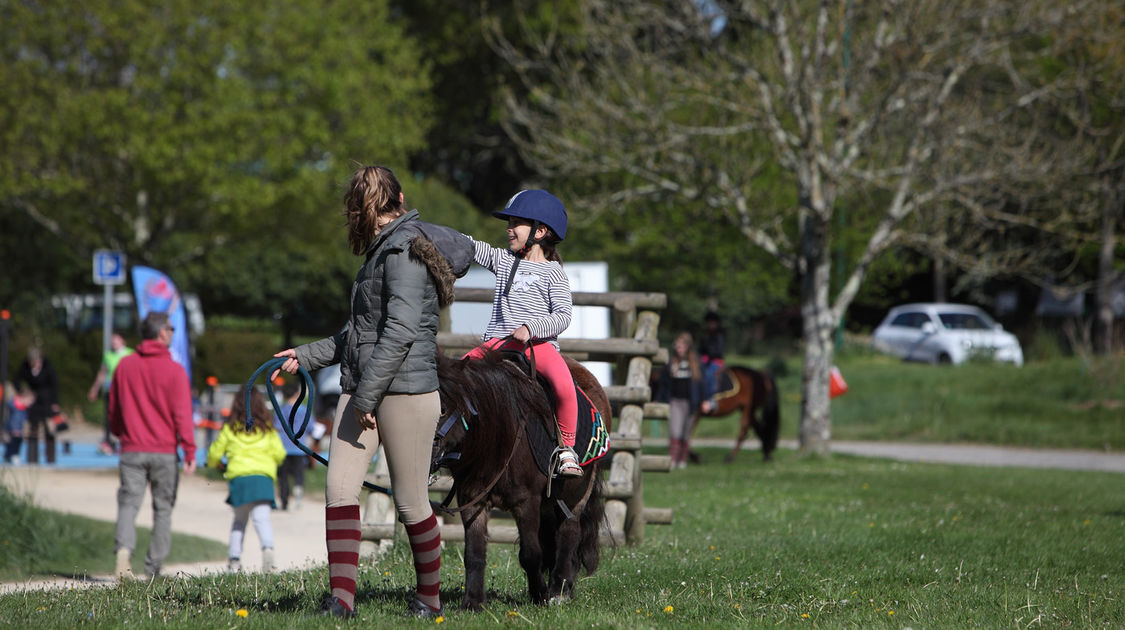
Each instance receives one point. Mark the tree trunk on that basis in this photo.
(817, 323)
(939, 278)
(1106, 275)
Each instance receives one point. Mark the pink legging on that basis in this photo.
(551, 364)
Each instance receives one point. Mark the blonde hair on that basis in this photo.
(374, 194)
(692, 357)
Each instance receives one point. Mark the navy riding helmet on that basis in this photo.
(537, 205)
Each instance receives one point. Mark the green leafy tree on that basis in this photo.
(207, 138)
(466, 146)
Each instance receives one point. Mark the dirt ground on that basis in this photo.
(201, 510)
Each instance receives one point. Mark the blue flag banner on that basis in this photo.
(156, 292)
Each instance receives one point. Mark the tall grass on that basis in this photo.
(800, 543)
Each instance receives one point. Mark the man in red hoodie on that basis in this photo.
(150, 413)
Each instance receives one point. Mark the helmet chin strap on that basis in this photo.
(528, 244)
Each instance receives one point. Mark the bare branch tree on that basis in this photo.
(887, 102)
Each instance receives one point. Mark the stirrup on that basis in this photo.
(567, 462)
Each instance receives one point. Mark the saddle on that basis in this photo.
(591, 440)
(725, 385)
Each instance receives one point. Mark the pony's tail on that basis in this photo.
(590, 521)
(771, 417)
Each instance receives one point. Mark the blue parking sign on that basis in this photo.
(109, 267)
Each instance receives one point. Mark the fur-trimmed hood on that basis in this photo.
(427, 252)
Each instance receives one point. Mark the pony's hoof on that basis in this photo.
(471, 607)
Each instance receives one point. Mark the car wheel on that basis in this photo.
(944, 359)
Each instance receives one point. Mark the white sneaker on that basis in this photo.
(267, 560)
(298, 496)
(234, 565)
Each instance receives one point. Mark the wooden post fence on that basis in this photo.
(633, 350)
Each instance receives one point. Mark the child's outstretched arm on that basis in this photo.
(485, 255)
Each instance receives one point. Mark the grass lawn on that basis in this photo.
(1062, 403)
(802, 542)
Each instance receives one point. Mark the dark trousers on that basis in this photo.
(12, 448)
(36, 419)
(292, 467)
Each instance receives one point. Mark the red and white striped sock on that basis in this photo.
(425, 544)
(342, 533)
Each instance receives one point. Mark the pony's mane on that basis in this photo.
(502, 396)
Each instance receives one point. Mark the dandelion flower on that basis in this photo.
(439, 620)
(242, 612)
(512, 613)
(804, 615)
(669, 609)
(890, 612)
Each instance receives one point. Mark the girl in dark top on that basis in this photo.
(681, 386)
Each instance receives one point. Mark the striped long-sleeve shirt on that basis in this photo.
(539, 298)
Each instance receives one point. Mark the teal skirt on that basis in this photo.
(251, 488)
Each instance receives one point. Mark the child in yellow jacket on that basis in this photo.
(252, 459)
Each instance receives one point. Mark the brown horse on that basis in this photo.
(497, 402)
(754, 395)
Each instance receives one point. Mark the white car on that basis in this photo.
(945, 333)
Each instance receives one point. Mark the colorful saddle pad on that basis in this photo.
(591, 438)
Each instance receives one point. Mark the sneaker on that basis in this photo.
(568, 464)
(234, 565)
(333, 607)
(418, 608)
(267, 560)
(298, 495)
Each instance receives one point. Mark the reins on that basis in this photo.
(308, 390)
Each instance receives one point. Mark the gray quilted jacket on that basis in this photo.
(390, 340)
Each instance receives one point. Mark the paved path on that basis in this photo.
(967, 454)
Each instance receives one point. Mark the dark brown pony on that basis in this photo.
(755, 397)
(496, 468)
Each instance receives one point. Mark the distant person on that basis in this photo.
(712, 346)
(15, 424)
(252, 456)
(388, 364)
(37, 376)
(291, 472)
(110, 358)
(681, 386)
(150, 413)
